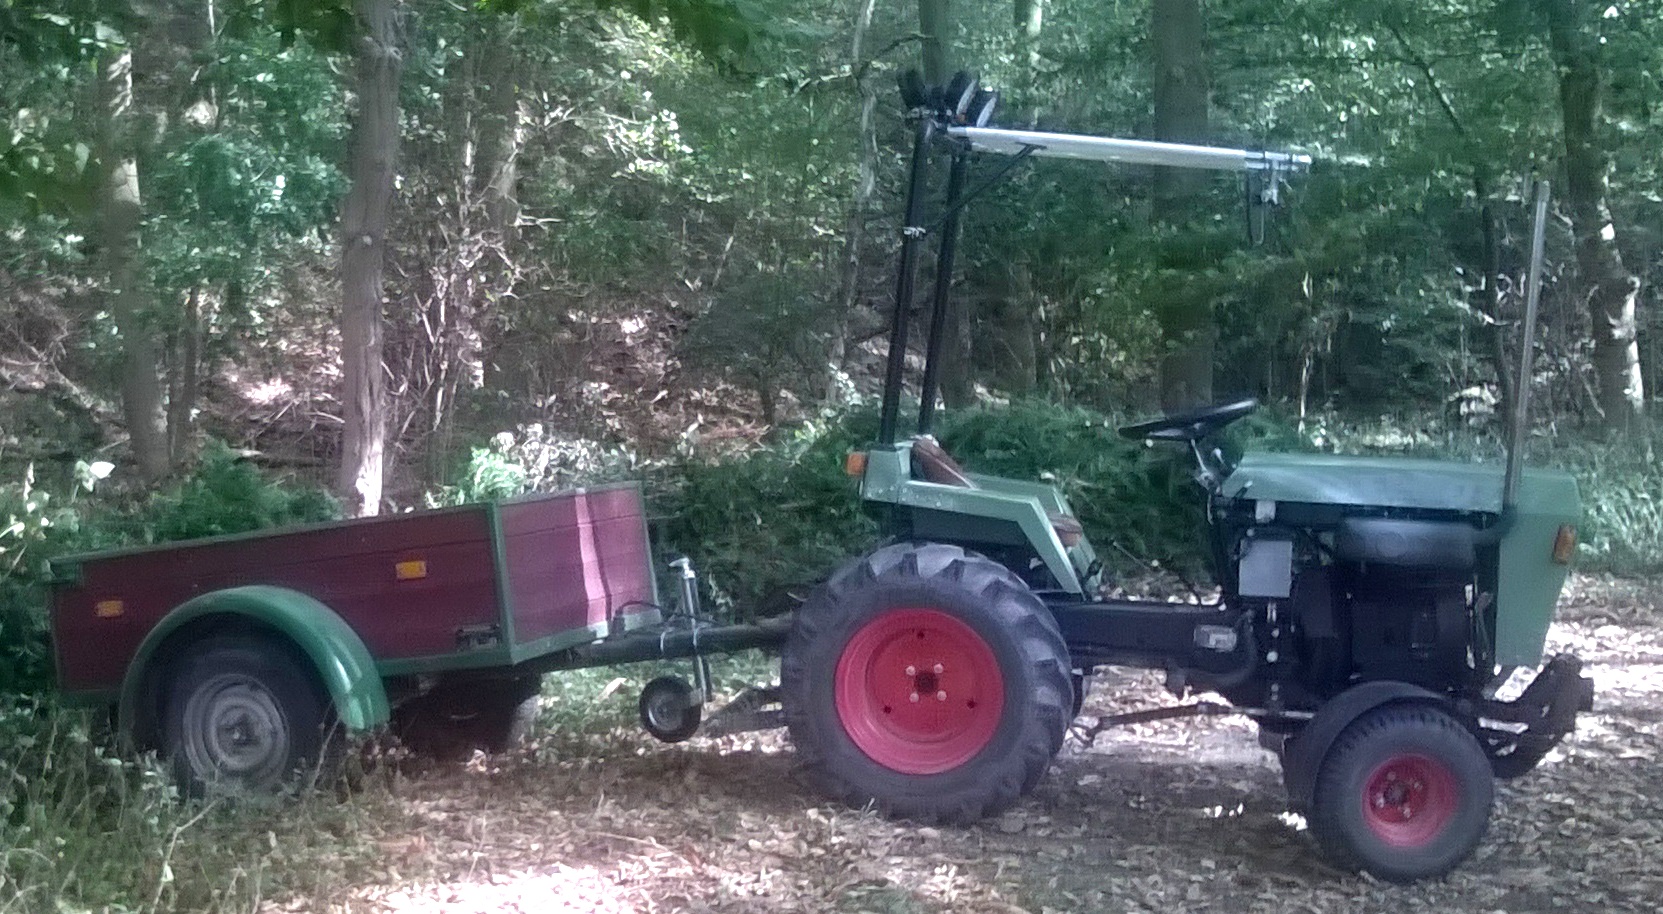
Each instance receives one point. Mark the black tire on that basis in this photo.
(668, 710)
(868, 740)
(246, 716)
(460, 715)
(1405, 793)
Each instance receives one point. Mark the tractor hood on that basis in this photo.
(1390, 482)
(1528, 577)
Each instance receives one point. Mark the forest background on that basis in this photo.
(279, 261)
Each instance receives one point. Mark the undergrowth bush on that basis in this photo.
(779, 516)
(1622, 500)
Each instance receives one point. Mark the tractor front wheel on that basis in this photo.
(1404, 793)
(928, 682)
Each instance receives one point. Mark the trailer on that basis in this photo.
(245, 659)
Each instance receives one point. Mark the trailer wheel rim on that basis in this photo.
(919, 691)
(1409, 799)
(235, 730)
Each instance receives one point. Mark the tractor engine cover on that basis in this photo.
(1409, 624)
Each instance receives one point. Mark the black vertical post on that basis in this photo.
(941, 295)
(912, 235)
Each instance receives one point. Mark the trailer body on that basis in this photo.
(489, 586)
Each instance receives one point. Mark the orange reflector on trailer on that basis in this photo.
(108, 609)
(855, 464)
(412, 570)
(1564, 545)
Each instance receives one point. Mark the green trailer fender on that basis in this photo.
(339, 658)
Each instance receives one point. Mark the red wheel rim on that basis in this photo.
(1408, 799)
(919, 691)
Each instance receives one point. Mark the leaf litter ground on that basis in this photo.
(1171, 816)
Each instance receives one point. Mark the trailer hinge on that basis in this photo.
(478, 637)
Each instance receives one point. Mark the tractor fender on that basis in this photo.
(337, 655)
(1303, 754)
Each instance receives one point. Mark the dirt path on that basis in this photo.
(1178, 816)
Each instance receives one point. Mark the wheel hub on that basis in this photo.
(1408, 799)
(919, 691)
(236, 730)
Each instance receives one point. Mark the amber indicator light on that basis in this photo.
(1564, 545)
(411, 570)
(108, 609)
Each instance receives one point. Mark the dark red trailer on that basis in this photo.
(234, 655)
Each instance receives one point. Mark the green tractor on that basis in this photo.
(1370, 608)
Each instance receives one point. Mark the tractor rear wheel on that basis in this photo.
(927, 681)
(1404, 793)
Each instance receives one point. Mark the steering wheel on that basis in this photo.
(1192, 425)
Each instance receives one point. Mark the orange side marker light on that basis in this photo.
(411, 570)
(1564, 545)
(108, 609)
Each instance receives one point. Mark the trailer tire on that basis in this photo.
(928, 682)
(1405, 793)
(669, 710)
(458, 716)
(243, 716)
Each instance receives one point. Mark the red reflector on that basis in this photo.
(855, 464)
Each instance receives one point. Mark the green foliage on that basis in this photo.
(83, 829)
(226, 494)
(534, 458)
(1622, 505)
(766, 330)
(1131, 497)
(37, 524)
(783, 515)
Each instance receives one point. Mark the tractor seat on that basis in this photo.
(933, 463)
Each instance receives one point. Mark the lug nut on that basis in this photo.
(939, 669)
(941, 696)
(914, 698)
(912, 671)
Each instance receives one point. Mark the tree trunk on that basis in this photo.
(502, 128)
(957, 384)
(849, 282)
(1029, 22)
(1188, 332)
(364, 221)
(936, 30)
(1613, 291)
(121, 210)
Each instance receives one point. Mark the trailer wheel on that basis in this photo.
(461, 715)
(244, 717)
(927, 681)
(1404, 793)
(669, 710)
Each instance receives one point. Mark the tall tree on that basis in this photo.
(364, 222)
(1613, 292)
(1178, 30)
(121, 212)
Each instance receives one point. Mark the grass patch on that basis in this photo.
(82, 828)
